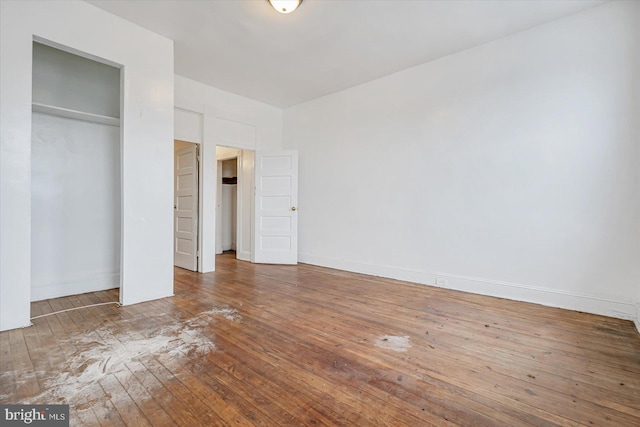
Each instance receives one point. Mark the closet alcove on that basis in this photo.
(75, 174)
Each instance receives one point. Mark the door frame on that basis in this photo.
(244, 200)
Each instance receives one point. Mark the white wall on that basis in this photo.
(230, 168)
(230, 120)
(509, 169)
(70, 81)
(75, 207)
(147, 144)
(227, 120)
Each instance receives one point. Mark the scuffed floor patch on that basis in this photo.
(227, 313)
(392, 342)
(106, 350)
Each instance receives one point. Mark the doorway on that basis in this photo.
(234, 202)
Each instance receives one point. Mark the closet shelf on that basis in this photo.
(74, 114)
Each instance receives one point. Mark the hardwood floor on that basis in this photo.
(304, 345)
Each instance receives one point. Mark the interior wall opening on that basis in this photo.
(75, 172)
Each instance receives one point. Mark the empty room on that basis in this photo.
(320, 212)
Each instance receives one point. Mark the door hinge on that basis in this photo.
(198, 254)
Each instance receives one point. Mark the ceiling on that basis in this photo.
(246, 47)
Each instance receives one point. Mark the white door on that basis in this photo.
(276, 200)
(186, 208)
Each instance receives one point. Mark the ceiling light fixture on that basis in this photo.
(285, 6)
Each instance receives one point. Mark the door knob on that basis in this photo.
(293, 208)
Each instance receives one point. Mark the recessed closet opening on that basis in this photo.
(75, 173)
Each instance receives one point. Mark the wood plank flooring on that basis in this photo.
(304, 345)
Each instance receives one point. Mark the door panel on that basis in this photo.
(186, 208)
(276, 215)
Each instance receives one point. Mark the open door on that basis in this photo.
(186, 208)
(276, 199)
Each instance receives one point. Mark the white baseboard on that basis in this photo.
(513, 291)
(145, 298)
(94, 283)
(15, 323)
(637, 318)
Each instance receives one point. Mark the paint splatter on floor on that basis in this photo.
(392, 342)
(227, 313)
(107, 351)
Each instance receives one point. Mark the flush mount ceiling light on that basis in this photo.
(285, 6)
